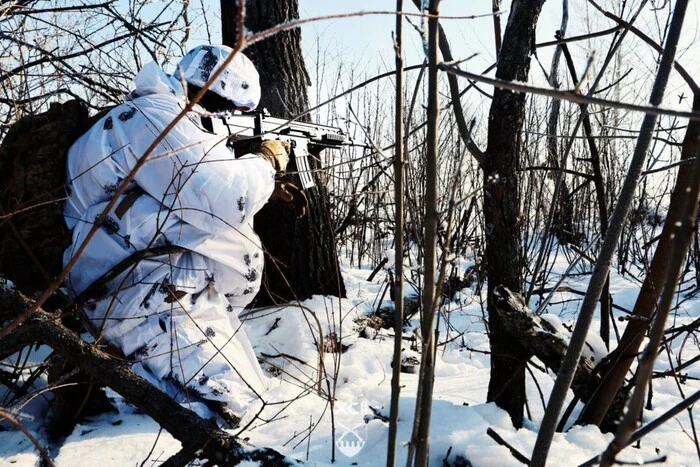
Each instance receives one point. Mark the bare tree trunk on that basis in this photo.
(301, 257)
(398, 242)
(420, 441)
(602, 267)
(619, 361)
(496, 8)
(502, 205)
(279, 61)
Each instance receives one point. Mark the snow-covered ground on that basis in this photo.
(297, 420)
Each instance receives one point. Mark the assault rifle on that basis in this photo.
(306, 139)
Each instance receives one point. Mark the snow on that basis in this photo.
(297, 420)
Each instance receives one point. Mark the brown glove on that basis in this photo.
(288, 193)
(276, 152)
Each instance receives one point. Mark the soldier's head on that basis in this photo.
(237, 88)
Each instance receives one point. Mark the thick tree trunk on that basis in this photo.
(301, 258)
(279, 61)
(502, 204)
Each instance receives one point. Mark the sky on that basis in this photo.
(363, 45)
(367, 40)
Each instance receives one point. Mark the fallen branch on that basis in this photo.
(200, 438)
(540, 339)
(517, 454)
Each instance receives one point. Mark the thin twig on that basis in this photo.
(398, 244)
(42, 451)
(517, 454)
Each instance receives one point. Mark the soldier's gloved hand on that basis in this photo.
(276, 152)
(288, 193)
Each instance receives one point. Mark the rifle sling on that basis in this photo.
(96, 289)
(128, 201)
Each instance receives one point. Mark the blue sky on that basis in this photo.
(365, 42)
(369, 37)
(364, 45)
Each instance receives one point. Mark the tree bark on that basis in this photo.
(301, 258)
(32, 178)
(502, 205)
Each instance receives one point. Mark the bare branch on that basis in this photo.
(568, 95)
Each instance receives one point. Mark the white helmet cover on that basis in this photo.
(239, 82)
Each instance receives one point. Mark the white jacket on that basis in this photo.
(196, 196)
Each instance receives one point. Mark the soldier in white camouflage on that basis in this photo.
(176, 316)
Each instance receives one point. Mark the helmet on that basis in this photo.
(239, 83)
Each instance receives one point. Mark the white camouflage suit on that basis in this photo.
(197, 196)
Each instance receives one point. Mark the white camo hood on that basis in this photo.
(239, 83)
